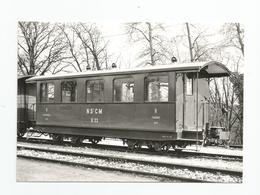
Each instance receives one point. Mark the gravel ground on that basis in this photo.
(204, 162)
(133, 166)
(37, 171)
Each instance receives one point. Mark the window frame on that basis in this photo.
(113, 89)
(46, 85)
(76, 88)
(146, 89)
(86, 93)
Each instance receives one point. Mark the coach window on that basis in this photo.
(124, 90)
(68, 91)
(47, 92)
(189, 86)
(156, 88)
(95, 91)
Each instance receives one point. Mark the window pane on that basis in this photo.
(43, 92)
(47, 92)
(50, 87)
(124, 90)
(69, 91)
(95, 91)
(157, 88)
(189, 86)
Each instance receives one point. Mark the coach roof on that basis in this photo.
(210, 69)
(24, 77)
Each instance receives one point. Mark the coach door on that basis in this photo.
(189, 102)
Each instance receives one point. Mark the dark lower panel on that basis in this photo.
(117, 133)
(192, 135)
(21, 126)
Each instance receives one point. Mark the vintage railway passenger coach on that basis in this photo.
(157, 106)
(26, 105)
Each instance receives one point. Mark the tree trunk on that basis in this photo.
(96, 61)
(151, 43)
(240, 38)
(189, 39)
(32, 67)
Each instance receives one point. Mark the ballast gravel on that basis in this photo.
(216, 177)
(196, 161)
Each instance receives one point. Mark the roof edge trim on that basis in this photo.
(226, 72)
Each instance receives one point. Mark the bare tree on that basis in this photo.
(40, 45)
(234, 36)
(232, 89)
(199, 47)
(93, 44)
(238, 85)
(147, 34)
(73, 49)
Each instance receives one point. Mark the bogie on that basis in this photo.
(76, 140)
(95, 140)
(57, 138)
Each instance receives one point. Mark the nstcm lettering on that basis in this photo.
(94, 111)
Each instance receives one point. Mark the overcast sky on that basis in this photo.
(125, 53)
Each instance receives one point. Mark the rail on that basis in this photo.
(170, 167)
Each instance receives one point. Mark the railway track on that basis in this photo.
(168, 171)
(142, 150)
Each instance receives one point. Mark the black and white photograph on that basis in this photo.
(134, 98)
(139, 102)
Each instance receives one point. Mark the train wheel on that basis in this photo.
(20, 134)
(131, 144)
(166, 147)
(94, 141)
(76, 140)
(220, 142)
(177, 147)
(157, 146)
(150, 146)
(57, 138)
(206, 142)
(138, 145)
